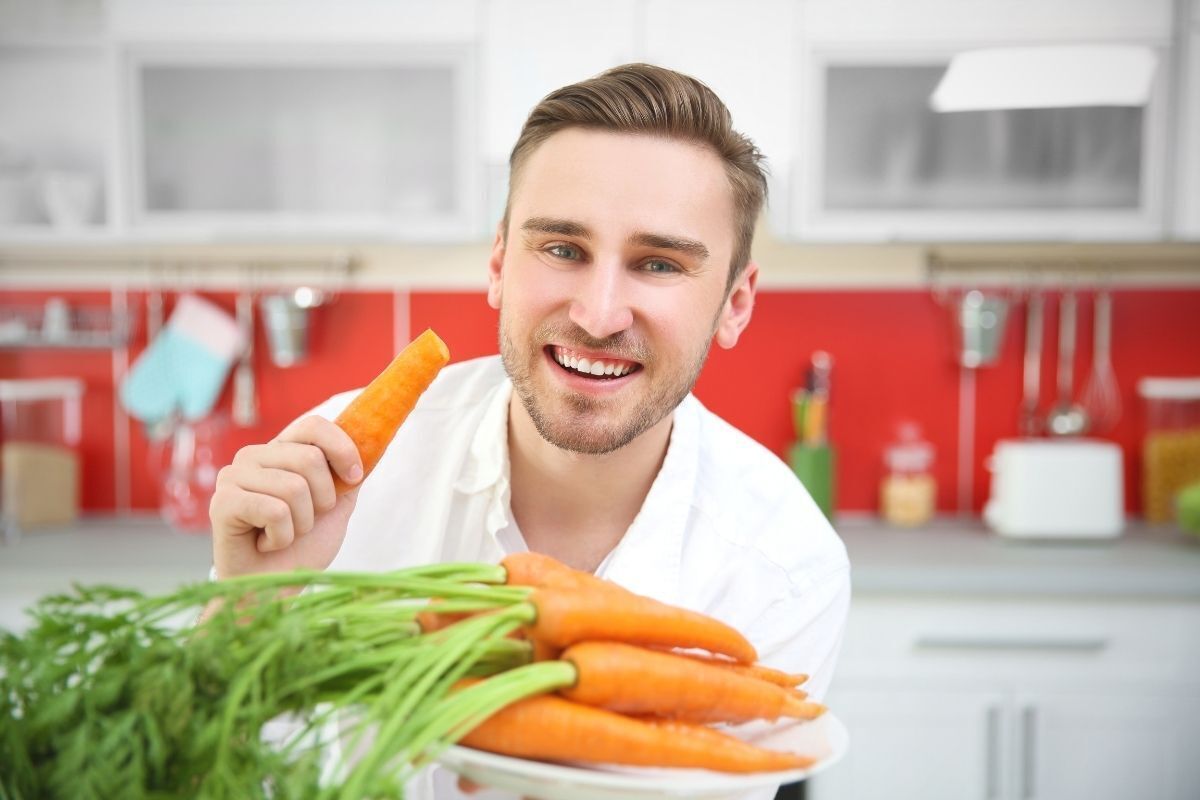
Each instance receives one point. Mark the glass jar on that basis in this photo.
(40, 422)
(197, 453)
(1171, 446)
(908, 494)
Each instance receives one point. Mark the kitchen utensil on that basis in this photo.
(1031, 422)
(1056, 489)
(1101, 397)
(245, 401)
(980, 320)
(1066, 418)
(285, 316)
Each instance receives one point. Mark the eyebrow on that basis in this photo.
(565, 227)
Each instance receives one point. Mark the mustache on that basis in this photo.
(623, 344)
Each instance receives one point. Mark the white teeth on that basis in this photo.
(587, 366)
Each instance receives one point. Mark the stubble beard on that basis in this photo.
(583, 426)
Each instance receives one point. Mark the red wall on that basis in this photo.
(893, 361)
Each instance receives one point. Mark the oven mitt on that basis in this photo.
(185, 367)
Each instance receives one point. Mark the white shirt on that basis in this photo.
(726, 528)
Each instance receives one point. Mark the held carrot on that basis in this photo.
(633, 680)
(553, 729)
(374, 416)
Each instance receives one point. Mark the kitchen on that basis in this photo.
(910, 245)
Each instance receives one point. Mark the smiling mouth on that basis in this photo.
(596, 368)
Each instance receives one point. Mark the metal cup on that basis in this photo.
(980, 322)
(286, 323)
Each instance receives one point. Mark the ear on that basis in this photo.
(495, 264)
(735, 314)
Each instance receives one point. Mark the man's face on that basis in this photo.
(611, 283)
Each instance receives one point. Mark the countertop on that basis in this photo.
(960, 556)
(950, 556)
(138, 552)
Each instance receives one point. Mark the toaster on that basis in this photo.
(1056, 489)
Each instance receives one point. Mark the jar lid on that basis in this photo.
(909, 456)
(1169, 388)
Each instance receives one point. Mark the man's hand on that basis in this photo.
(274, 508)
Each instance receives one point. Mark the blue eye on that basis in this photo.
(566, 251)
(660, 267)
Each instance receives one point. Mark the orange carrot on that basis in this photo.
(567, 615)
(788, 680)
(374, 416)
(431, 621)
(576, 606)
(633, 680)
(538, 569)
(553, 729)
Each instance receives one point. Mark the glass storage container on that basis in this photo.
(1171, 447)
(39, 462)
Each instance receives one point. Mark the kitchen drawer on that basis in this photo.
(1083, 642)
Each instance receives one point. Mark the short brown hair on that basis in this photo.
(645, 99)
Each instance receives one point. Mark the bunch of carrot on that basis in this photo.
(628, 685)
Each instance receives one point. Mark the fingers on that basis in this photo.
(337, 447)
(304, 461)
(304, 495)
(244, 511)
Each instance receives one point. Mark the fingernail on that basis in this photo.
(355, 474)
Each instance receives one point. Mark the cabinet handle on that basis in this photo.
(992, 767)
(1028, 752)
(1094, 645)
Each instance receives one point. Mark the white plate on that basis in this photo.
(825, 738)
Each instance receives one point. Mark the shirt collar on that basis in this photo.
(657, 534)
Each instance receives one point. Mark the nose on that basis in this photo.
(602, 304)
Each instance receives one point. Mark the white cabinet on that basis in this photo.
(1109, 746)
(304, 141)
(931, 745)
(746, 54)
(1187, 195)
(56, 101)
(201, 120)
(530, 48)
(1017, 700)
(875, 163)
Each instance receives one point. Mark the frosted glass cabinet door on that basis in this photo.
(886, 149)
(325, 145)
(882, 161)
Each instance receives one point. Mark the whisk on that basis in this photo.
(1101, 395)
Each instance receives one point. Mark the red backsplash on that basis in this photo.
(893, 361)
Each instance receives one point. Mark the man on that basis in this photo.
(623, 254)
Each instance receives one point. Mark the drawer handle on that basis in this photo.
(1022, 643)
